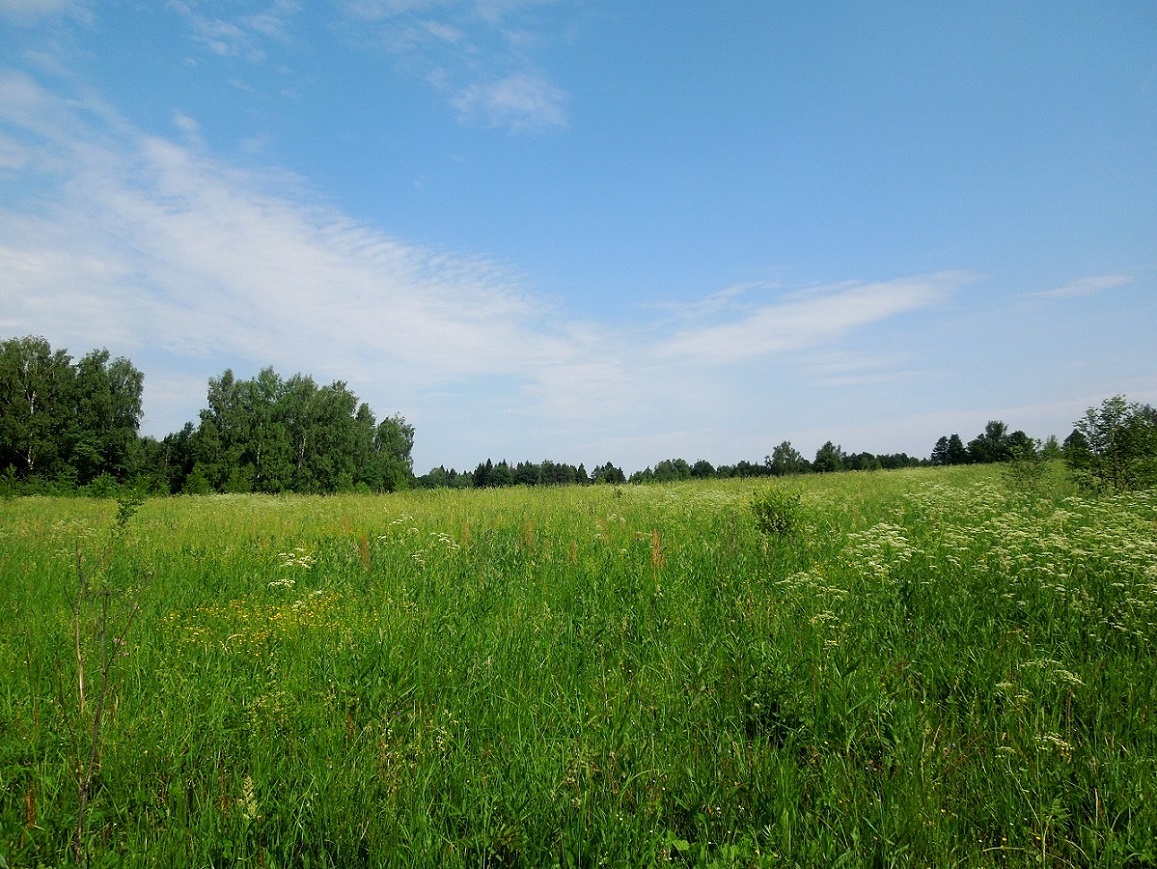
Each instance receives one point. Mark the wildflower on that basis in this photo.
(297, 557)
(1068, 678)
(1053, 741)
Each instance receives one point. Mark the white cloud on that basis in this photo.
(845, 368)
(13, 155)
(376, 10)
(276, 21)
(25, 12)
(186, 124)
(524, 102)
(1085, 287)
(144, 242)
(807, 319)
(489, 10)
(244, 36)
(477, 54)
(445, 32)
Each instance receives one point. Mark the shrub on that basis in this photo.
(9, 485)
(104, 486)
(1027, 468)
(777, 513)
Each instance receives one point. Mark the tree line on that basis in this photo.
(69, 426)
(1113, 447)
(492, 475)
(785, 459)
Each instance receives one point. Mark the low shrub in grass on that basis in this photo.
(777, 512)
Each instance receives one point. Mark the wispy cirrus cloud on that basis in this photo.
(1085, 287)
(805, 319)
(477, 54)
(240, 35)
(140, 241)
(25, 12)
(525, 102)
(836, 368)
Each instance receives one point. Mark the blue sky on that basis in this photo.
(589, 230)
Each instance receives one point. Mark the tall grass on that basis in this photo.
(931, 667)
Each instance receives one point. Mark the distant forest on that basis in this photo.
(994, 444)
(70, 426)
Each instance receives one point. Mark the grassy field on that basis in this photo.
(934, 667)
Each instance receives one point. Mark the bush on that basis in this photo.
(9, 485)
(104, 486)
(197, 483)
(777, 513)
(1027, 468)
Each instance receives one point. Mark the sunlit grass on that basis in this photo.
(932, 668)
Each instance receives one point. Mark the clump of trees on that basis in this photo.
(994, 444)
(68, 426)
(66, 423)
(1114, 447)
(273, 435)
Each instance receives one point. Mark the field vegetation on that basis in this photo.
(933, 666)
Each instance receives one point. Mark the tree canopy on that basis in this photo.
(1114, 446)
(273, 435)
(66, 425)
(66, 421)
(994, 444)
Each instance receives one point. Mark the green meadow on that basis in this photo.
(933, 667)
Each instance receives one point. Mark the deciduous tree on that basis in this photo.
(35, 406)
(786, 459)
(829, 458)
(1114, 446)
(992, 445)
